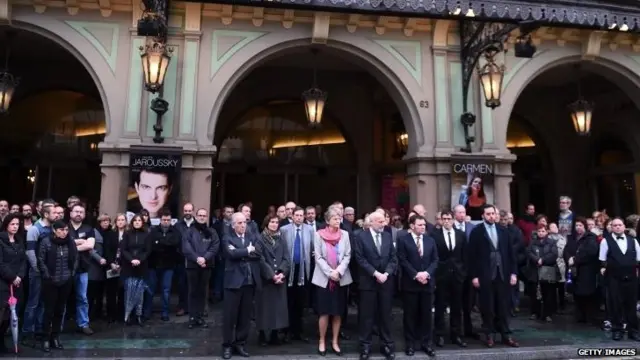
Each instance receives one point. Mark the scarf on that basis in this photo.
(331, 239)
(270, 236)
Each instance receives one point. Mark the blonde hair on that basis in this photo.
(115, 220)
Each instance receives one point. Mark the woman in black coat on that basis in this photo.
(135, 249)
(581, 257)
(13, 267)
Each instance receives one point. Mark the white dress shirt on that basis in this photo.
(415, 239)
(622, 244)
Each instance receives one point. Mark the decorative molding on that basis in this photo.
(103, 36)
(592, 44)
(225, 43)
(5, 11)
(188, 93)
(320, 32)
(134, 98)
(408, 53)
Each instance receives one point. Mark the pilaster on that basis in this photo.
(114, 183)
(192, 36)
(197, 171)
(502, 185)
(423, 183)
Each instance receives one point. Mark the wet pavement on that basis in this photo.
(167, 340)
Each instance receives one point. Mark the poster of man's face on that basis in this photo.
(153, 191)
(153, 183)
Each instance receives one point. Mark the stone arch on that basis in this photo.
(398, 82)
(619, 68)
(81, 49)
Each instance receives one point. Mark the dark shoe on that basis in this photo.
(388, 352)
(337, 351)
(45, 346)
(164, 318)
(429, 351)
(633, 335)
(364, 355)
(240, 350)
(616, 336)
(439, 341)
(192, 323)
(489, 342)
(510, 342)
(344, 336)
(140, 320)
(458, 341)
(86, 331)
(262, 338)
(205, 314)
(274, 339)
(55, 343)
(201, 322)
(409, 352)
(28, 340)
(226, 353)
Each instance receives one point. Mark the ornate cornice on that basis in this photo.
(583, 13)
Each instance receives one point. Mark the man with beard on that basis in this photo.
(165, 240)
(27, 215)
(493, 270)
(527, 223)
(84, 237)
(180, 273)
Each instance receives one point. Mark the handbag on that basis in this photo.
(548, 273)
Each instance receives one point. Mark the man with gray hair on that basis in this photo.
(241, 280)
(350, 214)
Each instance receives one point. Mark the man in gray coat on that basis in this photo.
(299, 237)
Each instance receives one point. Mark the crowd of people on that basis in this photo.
(55, 260)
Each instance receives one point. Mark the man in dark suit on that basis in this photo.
(418, 257)
(241, 279)
(493, 268)
(310, 218)
(468, 291)
(252, 226)
(450, 279)
(420, 210)
(288, 210)
(376, 258)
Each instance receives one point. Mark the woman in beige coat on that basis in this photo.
(331, 278)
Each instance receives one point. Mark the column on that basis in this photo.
(197, 172)
(114, 185)
(502, 186)
(423, 184)
(188, 94)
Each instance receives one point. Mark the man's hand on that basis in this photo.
(476, 283)
(115, 267)
(200, 260)
(103, 262)
(381, 278)
(514, 280)
(602, 271)
(251, 248)
(539, 262)
(17, 281)
(571, 261)
(135, 262)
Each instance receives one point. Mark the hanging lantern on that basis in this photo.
(155, 62)
(491, 75)
(402, 141)
(581, 113)
(8, 85)
(314, 101)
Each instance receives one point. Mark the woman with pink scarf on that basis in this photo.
(331, 278)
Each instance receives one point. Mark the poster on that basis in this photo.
(154, 181)
(395, 192)
(472, 185)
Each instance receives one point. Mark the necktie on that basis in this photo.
(620, 238)
(378, 241)
(242, 240)
(492, 234)
(296, 248)
(449, 243)
(419, 245)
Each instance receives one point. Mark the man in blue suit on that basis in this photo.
(418, 258)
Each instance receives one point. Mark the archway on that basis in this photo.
(574, 168)
(347, 158)
(56, 119)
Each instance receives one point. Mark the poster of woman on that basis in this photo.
(472, 187)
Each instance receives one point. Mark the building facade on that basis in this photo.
(229, 59)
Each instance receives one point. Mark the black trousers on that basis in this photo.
(585, 307)
(468, 301)
(54, 298)
(375, 309)
(417, 318)
(547, 305)
(115, 298)
(449, 291)
(95, 296)
(198, 280)
(494, 306)
(561, 296)
(296, 301)
(237, 306)
(623, 297)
